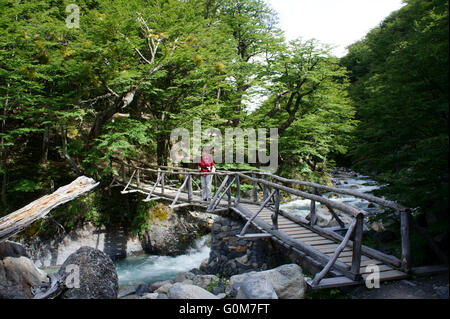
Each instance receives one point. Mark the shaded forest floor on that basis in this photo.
(430, 287)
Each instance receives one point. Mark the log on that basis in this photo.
(336, 254)
(238, 190)
(357, 244)
(179, 192)
(405, 227)
(261, 207)
(189, 188)
(370, 198)
(217, 194)
(352, 211)
(255, 190)
(17, 221)
(276, 209)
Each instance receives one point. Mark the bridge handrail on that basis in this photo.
(353, 211)
(185, 171)
(405, 213)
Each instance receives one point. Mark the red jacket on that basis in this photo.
(206, 165)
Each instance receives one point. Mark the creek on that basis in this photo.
(135, 270)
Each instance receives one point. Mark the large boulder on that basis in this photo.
(97, 276)
(256, 288)
(173, 235)
(183, 291)
(18, 274)
(205, 280)
(287, 281)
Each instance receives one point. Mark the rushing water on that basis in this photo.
(151, 268)
(145, 269)
(357, 182)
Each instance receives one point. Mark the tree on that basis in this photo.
(309, 106)
(399, 77)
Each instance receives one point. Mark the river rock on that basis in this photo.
(116, 241)
(126, 292)
(255, 288)
(98, 277)
(182, 291)
(174, 235)
(164, 288)
(182, 276)
(287, 281)
(18, 274)
(156, 285)
(143, 289)
(205, 280)
(153, 295)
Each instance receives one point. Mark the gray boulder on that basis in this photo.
(143, 289)
(205, 280)
(156, 285)
(164, 288)
(173, 235)
(182, 291)
(97, 276)
(18, 274)
(182, 276)
(287, 281)
(255, 288)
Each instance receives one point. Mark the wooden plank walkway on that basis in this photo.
(289, 233)
(325, 245)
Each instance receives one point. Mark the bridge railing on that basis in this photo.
(271, 186)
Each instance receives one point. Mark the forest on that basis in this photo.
(130, 71)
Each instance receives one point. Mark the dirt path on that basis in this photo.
(430, 287)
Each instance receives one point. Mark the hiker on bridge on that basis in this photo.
(206, 164)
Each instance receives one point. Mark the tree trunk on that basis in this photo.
(45, 142)
(4, 150)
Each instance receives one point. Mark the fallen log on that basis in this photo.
(17, 221)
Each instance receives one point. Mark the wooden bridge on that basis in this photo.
(338, 252)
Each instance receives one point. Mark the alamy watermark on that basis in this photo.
(73, 19)
(230, 148)
(73, 276)
(373, 277)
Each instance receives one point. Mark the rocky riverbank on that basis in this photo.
(284, 282)
(170, 237)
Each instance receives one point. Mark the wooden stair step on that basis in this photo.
(389, 275)
(318, 240)
(333, 282)
(254, 236)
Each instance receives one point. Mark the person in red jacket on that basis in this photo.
(206, 164)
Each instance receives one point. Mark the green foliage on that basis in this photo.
(399, 77)
(214, 283)
(329, 293)
(73, 98)
(146, 214)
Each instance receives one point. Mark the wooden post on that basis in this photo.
(238, 190)
(264, 188)
(189, 186)
(215, 184)
(405, 228)
(276, 209)
(357, 244)
(138, 179)
(229, 195)
(312, 211)
(162, 182)
(255, 189)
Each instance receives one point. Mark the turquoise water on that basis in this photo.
(146, 269)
